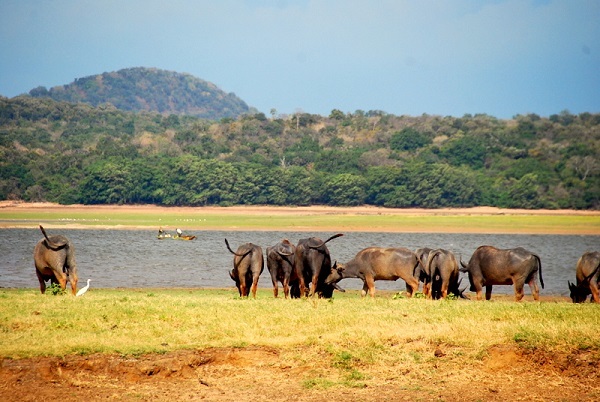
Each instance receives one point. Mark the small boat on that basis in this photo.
(184, 237)
(177, 236)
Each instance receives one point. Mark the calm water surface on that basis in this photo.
(135, 258)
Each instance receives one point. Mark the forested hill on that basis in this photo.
(149, 89)
(76, 153)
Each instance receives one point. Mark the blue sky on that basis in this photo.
(405, 57)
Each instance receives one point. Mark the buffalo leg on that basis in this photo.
(42, 282)
(73, 282)
(478, 292)
(412, 285)
(243, 287)
(488, 292)
(286, 286)
(519, 293)
(444, 290)
(365, 289)
(275, 287)
(302, 286)
(370, 283)
(535, 291)
(313, 285)
(595, 292)
(300, 273)
(62, 280)
(254, 287)
(295, 290)
(426, 290)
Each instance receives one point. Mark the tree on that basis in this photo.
(523, 193)
(345, 189)
(408, 139)
(467, 150)
(337, 114)
(584, 166)
(107, 182)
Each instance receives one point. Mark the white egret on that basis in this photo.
(84, 289)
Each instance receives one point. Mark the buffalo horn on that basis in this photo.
(337, 287)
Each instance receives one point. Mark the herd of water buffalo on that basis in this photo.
(306, 269)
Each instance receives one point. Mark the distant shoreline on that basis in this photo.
(312, 209)
(305, 218)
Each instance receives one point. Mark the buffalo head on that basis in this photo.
(335, 275)
(578, 293)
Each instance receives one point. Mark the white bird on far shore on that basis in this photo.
(84, 289)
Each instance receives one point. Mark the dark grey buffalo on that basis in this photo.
(587, 275)
(280, 263)
(377, 263)
(422, 274)
(313, 263)
(54, 258)
(492, 266)
(443, 271)
(248, 264)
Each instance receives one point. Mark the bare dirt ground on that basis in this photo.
(504, 374)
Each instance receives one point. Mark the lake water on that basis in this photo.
(135, 258)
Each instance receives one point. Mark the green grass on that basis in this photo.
(350, 330)
(195, 219)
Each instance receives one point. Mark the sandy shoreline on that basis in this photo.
(304, 210)
(412, 214)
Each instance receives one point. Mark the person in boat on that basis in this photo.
(179, 235)
(162, 234)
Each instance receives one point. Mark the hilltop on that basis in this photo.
(149, 89)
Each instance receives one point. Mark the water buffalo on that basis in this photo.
(587, 275)
(422, 274)
(312, 265)
(377, 263)
(280, 262)
(443, 272)
(492, 266)
(54, 258)
(248, 264)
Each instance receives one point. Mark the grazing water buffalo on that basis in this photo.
(377, 263)
(280, 262)
(422, 274)
(248, 264)
(443, 273)
(312, 265)
(587, 275)
(492, 266)
(54, 258)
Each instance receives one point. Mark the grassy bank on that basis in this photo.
(138, 321)
(300, 220)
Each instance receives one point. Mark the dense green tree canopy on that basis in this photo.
(76, 153)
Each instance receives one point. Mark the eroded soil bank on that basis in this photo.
(504, 373)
